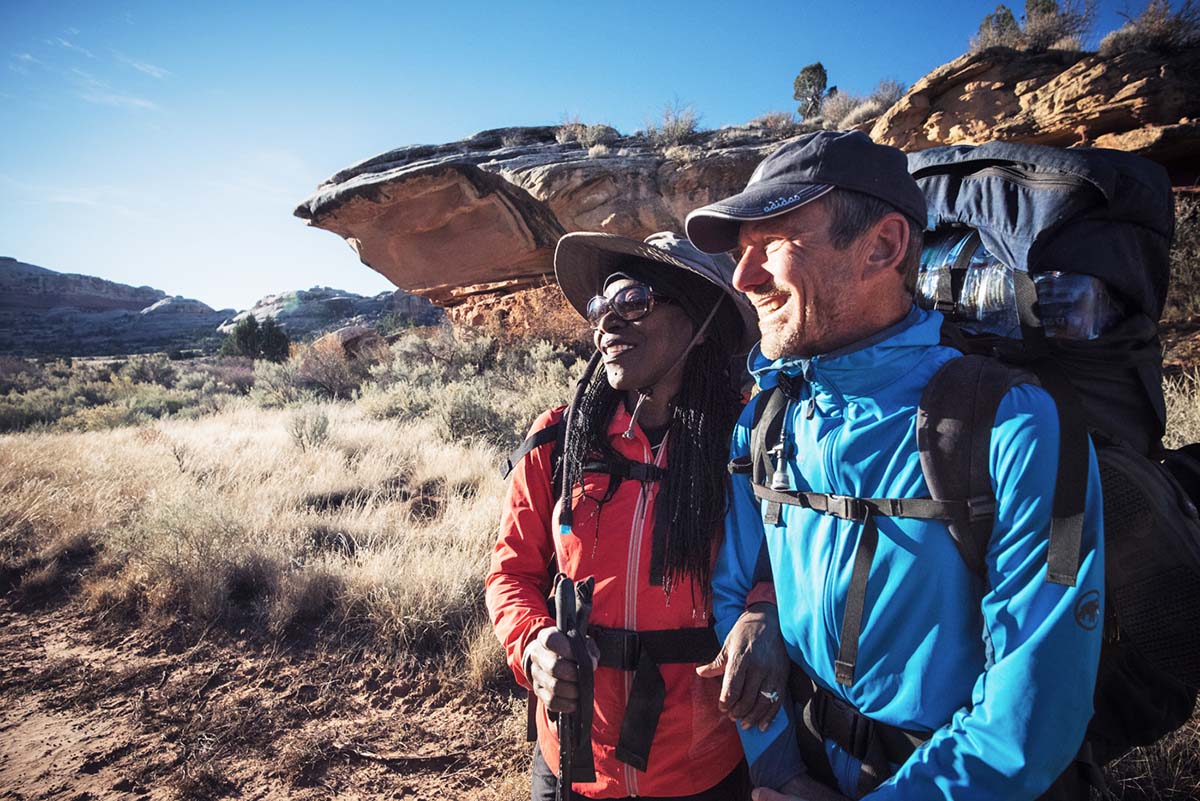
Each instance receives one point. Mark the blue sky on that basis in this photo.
(166, 143)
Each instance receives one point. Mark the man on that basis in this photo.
(931, 680)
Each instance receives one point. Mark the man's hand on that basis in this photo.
(754, 662)
(552, 671)
(802, 788)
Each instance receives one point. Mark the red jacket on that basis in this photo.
(694, 746)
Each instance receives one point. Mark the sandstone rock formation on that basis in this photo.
(1136, 101)
(321, 309)
(481, 217)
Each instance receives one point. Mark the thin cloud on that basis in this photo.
(99, 93)
(98, 197)
(141, 66)
(68, 45)
(26, 57)
(101, 98)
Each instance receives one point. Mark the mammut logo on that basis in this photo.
(780, 203)
(1087, 610)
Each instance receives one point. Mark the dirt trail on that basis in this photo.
(89, 716)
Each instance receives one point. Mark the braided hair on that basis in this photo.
(702, 418)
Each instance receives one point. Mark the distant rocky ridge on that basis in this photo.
(43, 312)
(469, 223)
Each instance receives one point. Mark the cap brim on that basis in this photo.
(583, 260)
(714, 228)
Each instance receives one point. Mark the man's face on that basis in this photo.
(796, 279)
(644, 352)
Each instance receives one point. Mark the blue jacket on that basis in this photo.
(1000, 672)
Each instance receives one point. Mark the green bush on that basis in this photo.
(809, 87)
(254, 340)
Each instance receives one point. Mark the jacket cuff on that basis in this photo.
(762, 592)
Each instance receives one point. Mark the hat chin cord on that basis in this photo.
(648, 391)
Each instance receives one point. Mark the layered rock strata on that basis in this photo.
(481, 217)
(1138, 101)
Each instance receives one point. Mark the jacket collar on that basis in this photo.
(860, 367)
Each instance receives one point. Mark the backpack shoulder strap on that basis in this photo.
(551, 433)
(954, 434)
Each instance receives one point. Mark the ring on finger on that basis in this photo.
(772, 696)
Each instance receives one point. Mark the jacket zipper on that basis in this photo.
(832, 619)
(636, 535)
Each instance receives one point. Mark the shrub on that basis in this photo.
(599, 134)
(325, 368)
(569, 130)
(864, 112)
(835, 109)
(1046, 24)
(844, 111)
(153, 369)
(677, 126)
(1183, 298)
(778, 123)
(309, 427)
(1156, 29)
(597, 151)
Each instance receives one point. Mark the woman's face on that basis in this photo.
(644, 352)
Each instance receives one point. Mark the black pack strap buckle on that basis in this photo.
(981, 507)
(641, 652)
(846, 507)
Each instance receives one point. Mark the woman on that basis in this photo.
(641, 455)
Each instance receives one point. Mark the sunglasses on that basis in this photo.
(629, 304)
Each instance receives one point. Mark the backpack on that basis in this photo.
(1051, 267)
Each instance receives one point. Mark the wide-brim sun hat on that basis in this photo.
(801, 171)
(582, 262)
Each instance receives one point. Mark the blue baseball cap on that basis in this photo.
(802, 171)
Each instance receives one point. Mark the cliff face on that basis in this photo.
(43, 312)
(28, 287)
(1138, 101)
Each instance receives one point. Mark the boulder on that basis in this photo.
(353, 340)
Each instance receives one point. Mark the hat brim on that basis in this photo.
(583, 260)
(714, 228)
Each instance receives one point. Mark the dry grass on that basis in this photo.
(381, 530)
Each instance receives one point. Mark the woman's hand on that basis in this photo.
(552, 671)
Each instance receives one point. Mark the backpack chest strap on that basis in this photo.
(865, 510)
(849, 507)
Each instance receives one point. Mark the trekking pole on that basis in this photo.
(564, 612)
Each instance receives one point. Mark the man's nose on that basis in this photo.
(750, 272)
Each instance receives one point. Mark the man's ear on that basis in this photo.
(885, 244)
